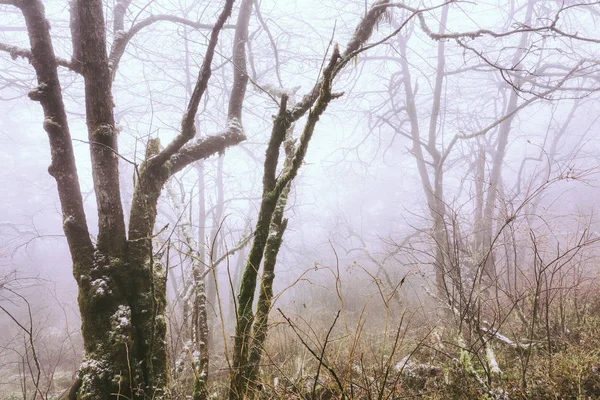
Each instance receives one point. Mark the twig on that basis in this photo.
(321, 362)
(323, 355)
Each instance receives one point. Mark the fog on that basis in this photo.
(299, 199)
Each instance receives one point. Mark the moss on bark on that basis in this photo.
(123, 330)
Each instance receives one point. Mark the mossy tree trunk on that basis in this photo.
(122, 286)
(251, 330)
(261, 320)
(240, 383)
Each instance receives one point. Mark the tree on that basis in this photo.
(122, 292)
(121, 280)
(251, 328)
(469, 140)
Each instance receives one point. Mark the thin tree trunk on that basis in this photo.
(214, 246)
(272, 247)
(498, 160)
(260, 326)
(273, 188)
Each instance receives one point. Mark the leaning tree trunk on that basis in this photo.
(263, 308)
(250, 334)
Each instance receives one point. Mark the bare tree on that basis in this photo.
(122, 292)
(441, 148)
(271, 225)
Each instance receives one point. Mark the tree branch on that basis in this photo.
(524, 104)
(280, 126)
(63, 167)
(325, 96)
(74, 26)
(4, 28)
(240, 75)
(119, 11)
(486, 32)
(320, 359)
(16, 52)
(271, 39)
(101, 127)
(188, 130)
(204, 148)
(123, 38)
(361, 35)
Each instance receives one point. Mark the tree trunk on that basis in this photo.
(273, 188)
(122, 306)
(122, 289)
(495, 178)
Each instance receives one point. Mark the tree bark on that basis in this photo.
(240, 385)
(122, 287)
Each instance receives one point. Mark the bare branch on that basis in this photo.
(525, 104)
(320, 359)
(13, 29)
(486, 32)
(188, 130)
(62, 168)
(16, 52)
(241, 244)
(123, 38)
(119, 14)
(361, 35)
(101, 127)
(204, 148)
(17, 229)
(240, 75)
(494, 334)
(271, 40)
(325, 96)
(74, 26)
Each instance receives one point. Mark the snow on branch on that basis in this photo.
(16, 52)
(205, 147)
